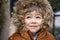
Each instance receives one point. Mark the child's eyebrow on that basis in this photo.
(38, 14)
(28, 14)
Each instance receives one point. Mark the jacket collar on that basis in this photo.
(28, 35)
(42, 34)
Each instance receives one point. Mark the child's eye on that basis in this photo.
(28, 17)
(38, 17)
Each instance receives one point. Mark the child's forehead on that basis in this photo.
(33, 13)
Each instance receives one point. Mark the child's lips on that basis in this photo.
(33, 26)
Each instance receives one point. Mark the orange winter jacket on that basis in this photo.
(26, 35)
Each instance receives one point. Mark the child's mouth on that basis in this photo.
(33, 26)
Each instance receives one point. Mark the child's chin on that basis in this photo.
(33, 31)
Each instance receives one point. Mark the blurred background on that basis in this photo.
(7, 27)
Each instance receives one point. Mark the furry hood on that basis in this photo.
(18, 15)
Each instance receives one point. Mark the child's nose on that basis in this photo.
(33, 21)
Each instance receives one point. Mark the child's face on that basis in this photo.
(33, 21)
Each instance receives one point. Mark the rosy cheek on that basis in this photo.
(40, 22)
(26, 22)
